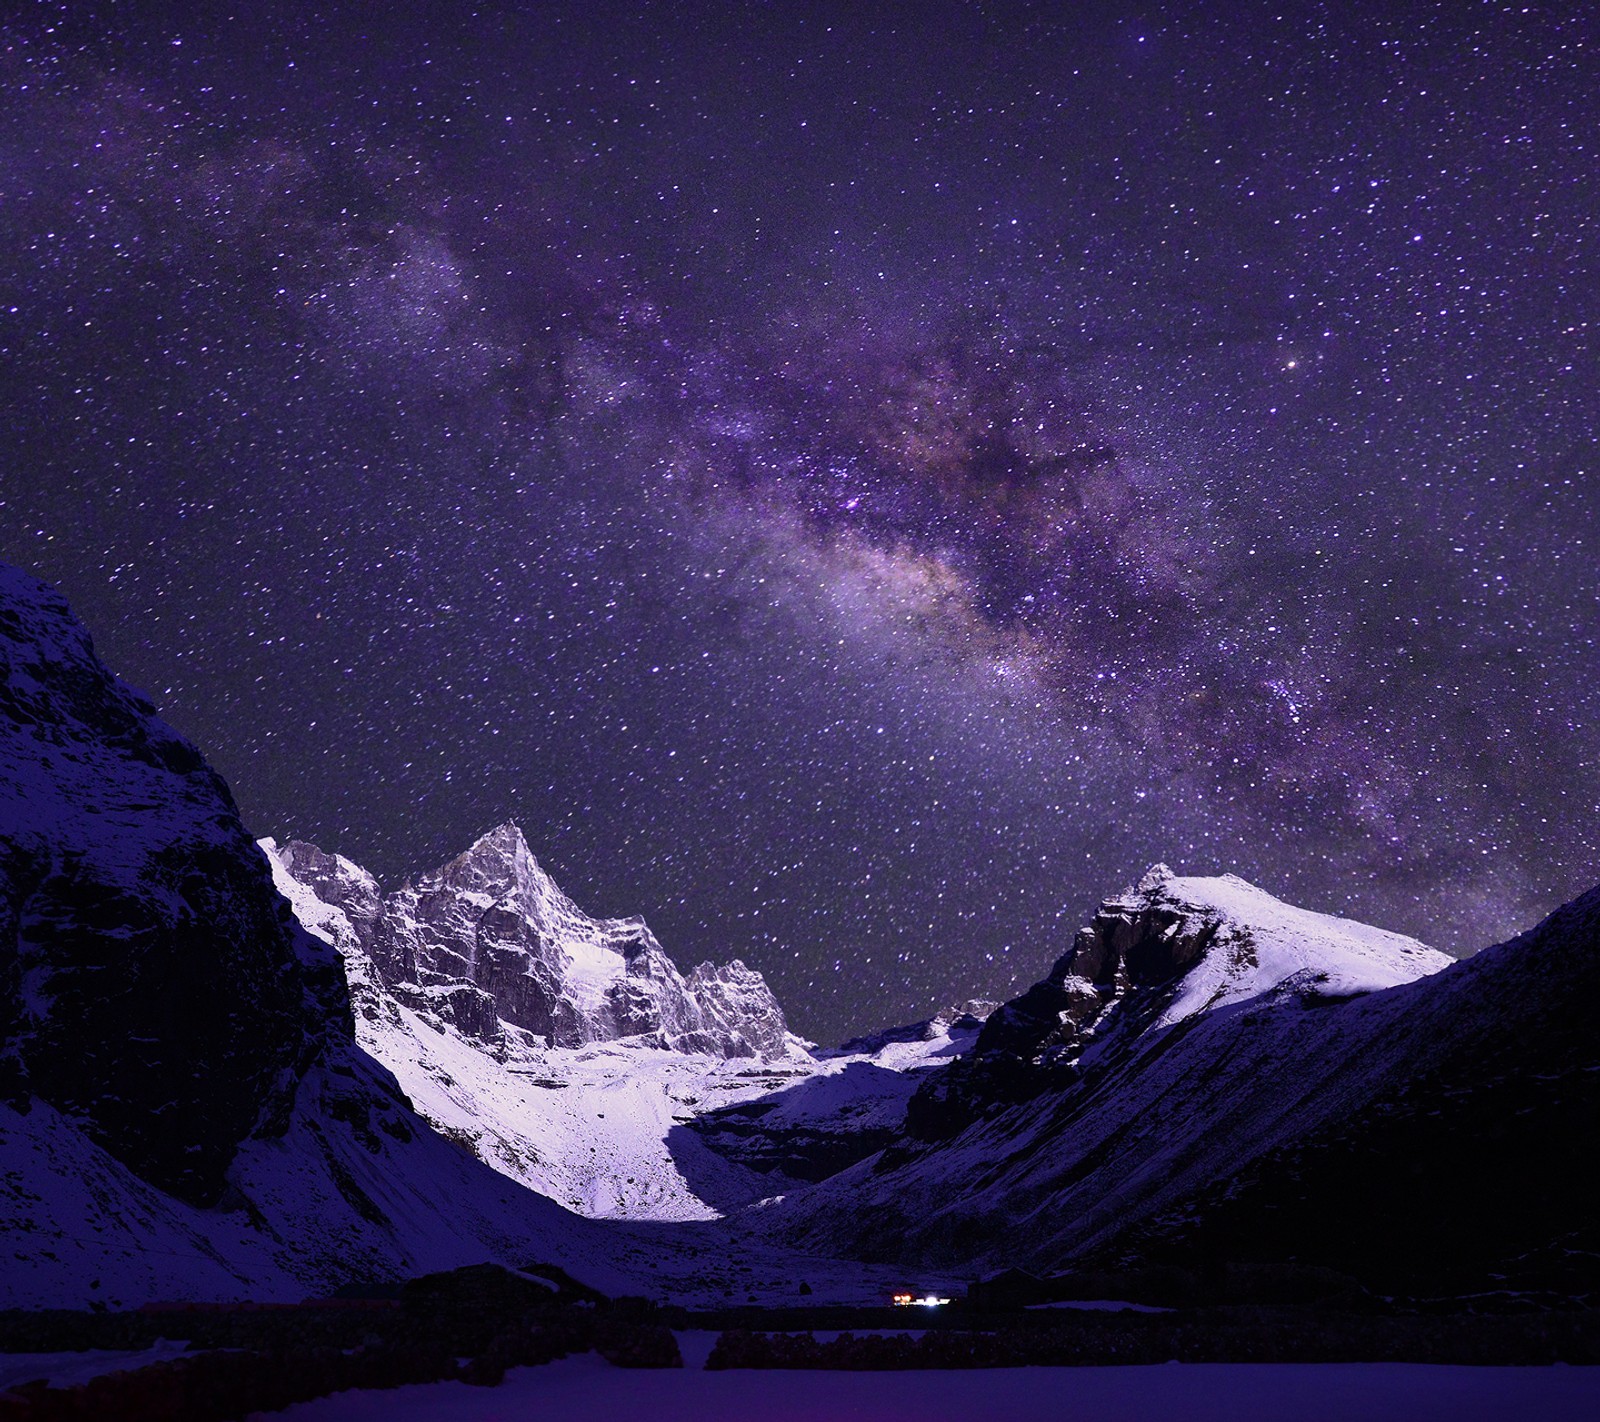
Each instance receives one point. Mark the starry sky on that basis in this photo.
(855, 483)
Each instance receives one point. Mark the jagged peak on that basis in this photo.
(734, 970)
(499, 861)
(301, 855)
(1154, 877)
(504, 841)
(495, 918)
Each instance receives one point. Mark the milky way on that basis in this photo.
(856, 490)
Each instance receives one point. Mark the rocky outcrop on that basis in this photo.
(737, 1003)
(491, 938)
(153, 987)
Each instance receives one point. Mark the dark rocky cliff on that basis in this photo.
(153, 985)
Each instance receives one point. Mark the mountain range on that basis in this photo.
(241, 1069)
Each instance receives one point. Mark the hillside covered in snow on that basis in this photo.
(638, 1092)
(1210, 1074)
(184, 1110)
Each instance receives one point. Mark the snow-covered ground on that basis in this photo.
(71, 1369)
(591, 1128)
(600, 1129)
(588, 1390)
(1278, 945)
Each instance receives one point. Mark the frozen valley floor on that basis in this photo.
(587, 1389)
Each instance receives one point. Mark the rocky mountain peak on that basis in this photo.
(1167, 950)
(496, 862)
(334, 879)
(1228, 942)
(489, 938)
(1154, 877)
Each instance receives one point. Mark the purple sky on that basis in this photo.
(855, 487)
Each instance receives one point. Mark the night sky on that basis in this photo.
(856, 483)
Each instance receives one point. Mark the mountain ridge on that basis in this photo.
(493, 921)
(1050, 1147)
(189, 1106)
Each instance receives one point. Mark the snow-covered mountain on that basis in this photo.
(1460, 1162)
(588, 1125)
(1154, 957)
(183, 1108)
(1195, 1025)
(199, 1095)
(489, 940)
(640, 1095)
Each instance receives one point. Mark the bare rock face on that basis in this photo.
(336, 881)
(470, 1010)
(489, 917)
(153, 987)
(1141, 939)
(737, 1005)
(1145, 938)
(490, 938)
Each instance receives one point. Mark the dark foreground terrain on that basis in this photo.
(471, 1325)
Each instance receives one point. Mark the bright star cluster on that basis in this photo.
(855, 484)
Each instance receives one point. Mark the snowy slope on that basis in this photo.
(183, 1109)
(1271, 945)
(351, 1190)
(1195, 1025)
(852, 1104)
(601, 1127)
(1467, 1166)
